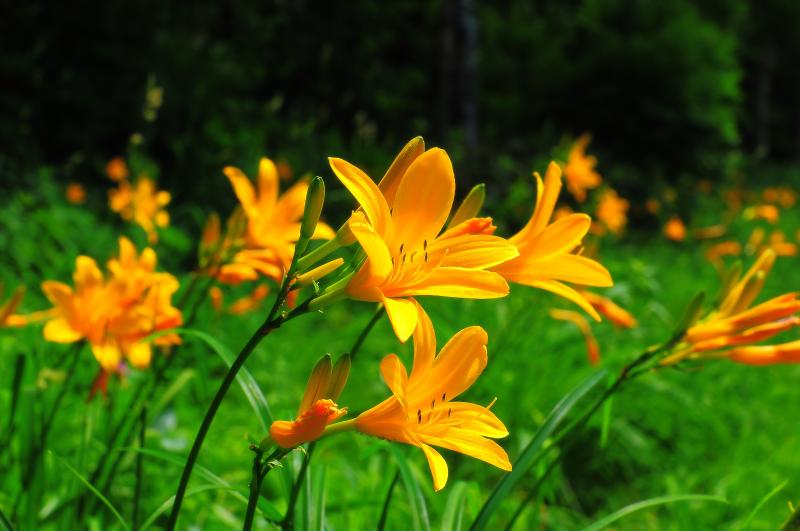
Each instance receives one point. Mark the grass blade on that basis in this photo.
(652, 502)
(419, 510)
(454, 508)
(763, 501)
(243, 378)
(93, 490)
(387, 502)
(531, 452)
(268, 509)
(168, 503)
(5, 522)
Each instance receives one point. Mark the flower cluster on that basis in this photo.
(140, 202)
(115, 312)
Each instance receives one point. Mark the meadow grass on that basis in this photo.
(719, 428)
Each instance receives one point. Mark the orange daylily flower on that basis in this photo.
(115, 312)
(141, 203)
(610, 310)
(727, 248)
(317, 408)
(116, 169)
(769, 213)
(7, 309)
(422, 411)
(592, 348)
(675, 230)
(612, 210)
(547, 256)
(399, 226)
(778, 243)
(273, 225)
(767, 354)
(579, 170)
(735, 323)
(75, 193)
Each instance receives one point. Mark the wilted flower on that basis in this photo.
(579, 170)
(115, 313)
(547, 251)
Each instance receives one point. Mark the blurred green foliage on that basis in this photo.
(670, 90)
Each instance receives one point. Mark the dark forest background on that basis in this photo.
(671, 91)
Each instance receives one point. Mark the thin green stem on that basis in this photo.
(19, 371)
(365, 332)
(387, 503)
(793, 523)
(255, 492)
(137, 492)
(288, 519)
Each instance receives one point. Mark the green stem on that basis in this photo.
(793, 523)
(288, 519)
(534, 491)
(365, 332)
(274, 320)
(387, 502)
(255, 492)
(137, 492)
(318, 253)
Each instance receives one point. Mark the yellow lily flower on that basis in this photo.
(612, 211)
(115, 313)
(399, 228)
(579, 170)
(422, 411)
(142, 204)
(729, 331)
(618, 316)
(547, 256)
(273, 224)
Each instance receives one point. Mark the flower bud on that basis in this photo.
(470, 206)
(315, 197)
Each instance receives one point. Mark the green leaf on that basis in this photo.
(5, 523)
(454, 508)
(691, 315)
(93, 490)
(644, 504)
(243, 378)
(168, 503)
(268, 509)
(532, 451)
(419, 510)
(761, 504)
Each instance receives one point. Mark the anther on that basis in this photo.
(425, 244)
(449, 411)
(433, 403)
(443, 397)
(401, 248)
(419, 416)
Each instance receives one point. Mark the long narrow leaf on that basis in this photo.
(763, 501)
(243, 378)
(531, 451)
(5, 523)
(419, 510)
(644, 504)
(269, 510)
(93, 490)
(454, 508)
(168, 503)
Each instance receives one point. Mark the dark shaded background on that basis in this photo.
(671, 91)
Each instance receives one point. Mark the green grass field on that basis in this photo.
(717, 428)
